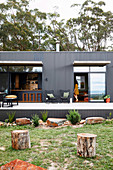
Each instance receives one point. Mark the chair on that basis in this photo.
(50, 96)
(65, 95)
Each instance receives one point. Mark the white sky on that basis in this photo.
(63, 6)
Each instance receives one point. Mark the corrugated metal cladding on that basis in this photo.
(58, 66)
(55, 113)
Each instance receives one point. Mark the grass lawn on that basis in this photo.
(56, 147)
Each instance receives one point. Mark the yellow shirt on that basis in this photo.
(76, 91)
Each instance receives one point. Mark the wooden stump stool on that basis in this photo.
(20, 139)
(86, 145)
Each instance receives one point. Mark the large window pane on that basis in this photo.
(97, 86)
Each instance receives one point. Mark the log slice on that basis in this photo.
(20, 139)
(86, 145)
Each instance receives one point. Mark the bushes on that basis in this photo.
(11, 117)
(35, 120)
(44, 115)
(73, 116)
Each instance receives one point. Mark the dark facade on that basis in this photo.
(57, 69)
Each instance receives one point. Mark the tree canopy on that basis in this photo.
(24, 29)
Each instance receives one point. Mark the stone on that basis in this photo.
(20, 139)
(86, 162)
(1, 123)
(2, 148)
(82, 121)
(54, 122)
(67, 123)
(19, 164)
(41, 122)
(23, 121)
(93, 120)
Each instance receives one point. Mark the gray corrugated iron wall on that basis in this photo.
(55, 113)
(58, 67)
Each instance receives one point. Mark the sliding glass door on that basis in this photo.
(96, 86)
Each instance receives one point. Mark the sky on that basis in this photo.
(62, 6)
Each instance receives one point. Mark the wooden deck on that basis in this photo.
(57, 110)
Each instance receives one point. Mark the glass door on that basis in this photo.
(96, 86)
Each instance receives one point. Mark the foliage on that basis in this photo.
(25, 30)
(73, 116)
(108, 121)
(11, 116)
(6, 120)
(44, 115)
(107, 96)
(35, 120)
(110, 114)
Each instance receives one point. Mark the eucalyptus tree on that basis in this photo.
(22, 28)
(56, 30)
(91, 30)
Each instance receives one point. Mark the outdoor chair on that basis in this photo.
(65, 95)
(50, 96)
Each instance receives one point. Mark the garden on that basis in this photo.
(56, 147)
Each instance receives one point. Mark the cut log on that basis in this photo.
(20, 139)
(86, 145)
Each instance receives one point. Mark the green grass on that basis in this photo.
(56, 147)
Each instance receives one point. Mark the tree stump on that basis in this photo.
(20, 139)
(86, 145)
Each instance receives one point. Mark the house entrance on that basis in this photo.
(91, 83)
(82, 81)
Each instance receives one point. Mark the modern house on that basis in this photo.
(28, 74)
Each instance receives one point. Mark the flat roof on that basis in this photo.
(91, 63)
(21, 63)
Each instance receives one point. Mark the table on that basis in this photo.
(9, 100)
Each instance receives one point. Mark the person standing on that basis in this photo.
(76, 91)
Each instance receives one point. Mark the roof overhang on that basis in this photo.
(21, 63)
(91, 63)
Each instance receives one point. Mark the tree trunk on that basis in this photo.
(20, 139)
(86, 145)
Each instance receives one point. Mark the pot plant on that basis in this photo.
(107, 98)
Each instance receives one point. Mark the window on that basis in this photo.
(98, 69)
(33, 69)
(16, 68)
(81, 69)
(3, 68)
(81, 82)
(97, 86)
